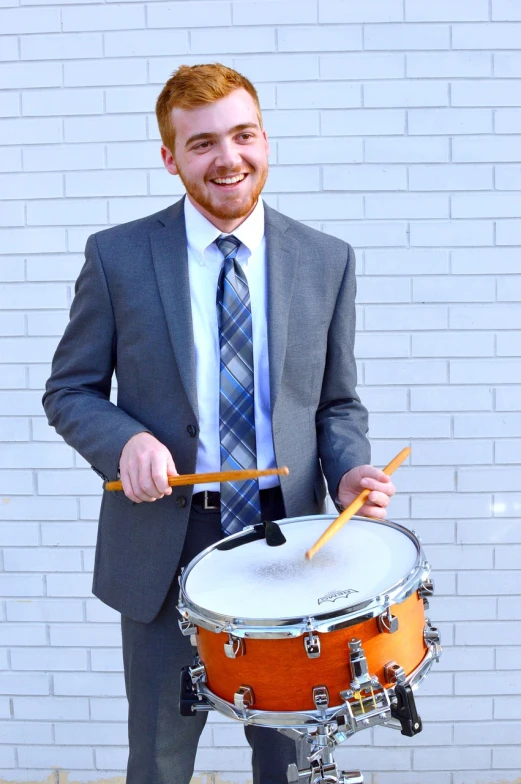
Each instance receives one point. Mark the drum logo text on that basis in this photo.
(334, 595)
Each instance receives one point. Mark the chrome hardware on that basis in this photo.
(293, 774)
(304, 720)
(358, 663)
(367, 702)
(432, 637)
(197, 673)
(243, 699)
(367, 706)
(387, 622)
(426, 590)
(188, 629)
(328, 773)
(394, 673)
(234, 647)
(321, 772)
(190, 699)
(289, 732)
(341, 735)
(322, 768)
(312, 645)
(321, 697)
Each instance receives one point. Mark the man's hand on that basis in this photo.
(144, 467)
(361, 478)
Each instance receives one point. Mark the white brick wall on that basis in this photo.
(394, 126)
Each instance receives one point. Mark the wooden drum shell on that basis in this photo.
(281, 674)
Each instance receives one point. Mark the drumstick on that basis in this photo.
(217, 476)
(354, 506)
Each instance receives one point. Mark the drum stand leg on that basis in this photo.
(322, 767)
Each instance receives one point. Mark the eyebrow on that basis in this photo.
(235, 129)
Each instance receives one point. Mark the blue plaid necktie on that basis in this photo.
(240, 502)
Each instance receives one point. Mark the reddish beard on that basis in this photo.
(236, 207)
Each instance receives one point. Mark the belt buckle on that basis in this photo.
(207, 506)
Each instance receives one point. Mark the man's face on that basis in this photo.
(216, 143)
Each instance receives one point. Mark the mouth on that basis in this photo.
(229, 182)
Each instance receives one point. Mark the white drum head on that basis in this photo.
(254, 581)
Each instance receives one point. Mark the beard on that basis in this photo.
(236, 207)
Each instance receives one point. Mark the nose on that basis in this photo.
(228, 156)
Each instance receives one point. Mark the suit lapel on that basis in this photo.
(170, 258)
(282, 260)
(169, 254)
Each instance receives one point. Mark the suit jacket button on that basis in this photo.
(181, 502)
(192, 431)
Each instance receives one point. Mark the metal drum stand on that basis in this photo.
(322, 767)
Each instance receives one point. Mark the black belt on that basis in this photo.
(210, 500)
(207, 499)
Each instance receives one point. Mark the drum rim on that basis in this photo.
(281, 628)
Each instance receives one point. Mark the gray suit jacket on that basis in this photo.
(132, 315)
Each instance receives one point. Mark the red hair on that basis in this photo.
(195, 85)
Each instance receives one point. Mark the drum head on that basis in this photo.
(256, 582)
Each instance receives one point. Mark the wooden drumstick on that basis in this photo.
(354, 506)
(217, 476)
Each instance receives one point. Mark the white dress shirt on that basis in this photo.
(204, 265)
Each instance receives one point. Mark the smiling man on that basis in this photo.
(230, 328)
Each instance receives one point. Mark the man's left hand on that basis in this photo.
(361, 478)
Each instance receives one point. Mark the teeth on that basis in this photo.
(229, 180)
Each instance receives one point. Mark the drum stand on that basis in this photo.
(322, 767)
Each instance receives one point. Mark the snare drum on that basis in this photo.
(283, 641)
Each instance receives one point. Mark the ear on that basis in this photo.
(266, 142)
(168, 160)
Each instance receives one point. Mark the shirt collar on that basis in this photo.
(201, 234)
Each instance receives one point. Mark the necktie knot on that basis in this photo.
(228, 244)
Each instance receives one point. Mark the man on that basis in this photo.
(230, 328)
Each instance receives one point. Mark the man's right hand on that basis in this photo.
(144, 468)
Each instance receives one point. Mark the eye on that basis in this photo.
(246, 136)
(202, 146)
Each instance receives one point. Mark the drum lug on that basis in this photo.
(426, 590)
(191, 700)
(321, 697)
(312, 645)
(189, 630)
(234, 647)
(197, 672)
(243, 698)
(432, 637)
(387, 622)
(394, 673)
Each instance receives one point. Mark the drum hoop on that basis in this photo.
(282, 628)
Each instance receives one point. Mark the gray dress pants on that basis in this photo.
(162, 743)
